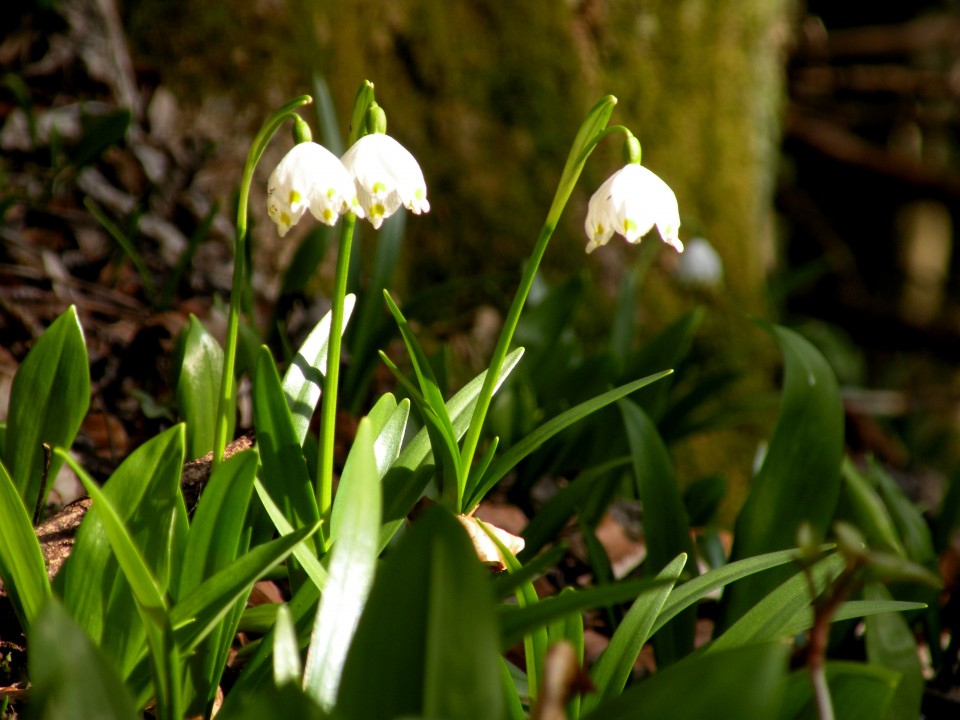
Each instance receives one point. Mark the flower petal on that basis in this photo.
(386, 176)
(630, 202)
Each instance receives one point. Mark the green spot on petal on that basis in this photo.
(294, 197)
(378, 187)
(629, 225)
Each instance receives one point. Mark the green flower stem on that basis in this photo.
(328, 410)
(228, 399)
(591, 132)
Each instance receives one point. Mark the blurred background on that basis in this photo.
(814, 148)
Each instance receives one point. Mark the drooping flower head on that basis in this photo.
(630, 203)
(310, 177)
(386, 176)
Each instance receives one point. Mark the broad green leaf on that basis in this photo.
(145, 490)
(799, 481)
(743, 683)
(408, 476)
(285, 475)
(891, 644)
(146, 588)
(389, 432)
(71, 678)
(772, 617)
(430, 607)
(858, 692)
(506, 462)
(665, 524)
(354, 531)
(22, 567)
(198, 388)
(303, 380)
(48, 401)
(214, 538)
(615, 664)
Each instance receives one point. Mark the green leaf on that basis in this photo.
(698, 588)
(615, 664)
(443, 438)
(850, 610)
(536, 641)
(858, 692)
(145, 491)
(198, 388)
(545, 525)
(146, 588)
(665, 523)
(286, 701)
(286, 649)
(303, 380)
(743, 683)
(194, 616)
(891, 644)
(516, 622)
(404, 482)
(666, 350)
(506, 462)
(285, 475)
(772, 617)
(506, 583)
(22, 567)
(215, 539)
(71, 678)
(355, 531)
(305, 555)
(218, 522)
(389, 432)
(48, 401)
(430, 606)
(800, 476)
(862, 504)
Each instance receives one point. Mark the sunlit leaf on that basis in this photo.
(799, 481)
(48, 401)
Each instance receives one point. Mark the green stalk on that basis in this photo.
(590, 133)
(228, 400)
(328, 409)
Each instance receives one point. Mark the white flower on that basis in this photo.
(631, 202)
(387, 176)
(700, 265)
(310, 177)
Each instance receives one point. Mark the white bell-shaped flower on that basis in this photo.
(631, 202)
(386, 176)
(310, 177)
